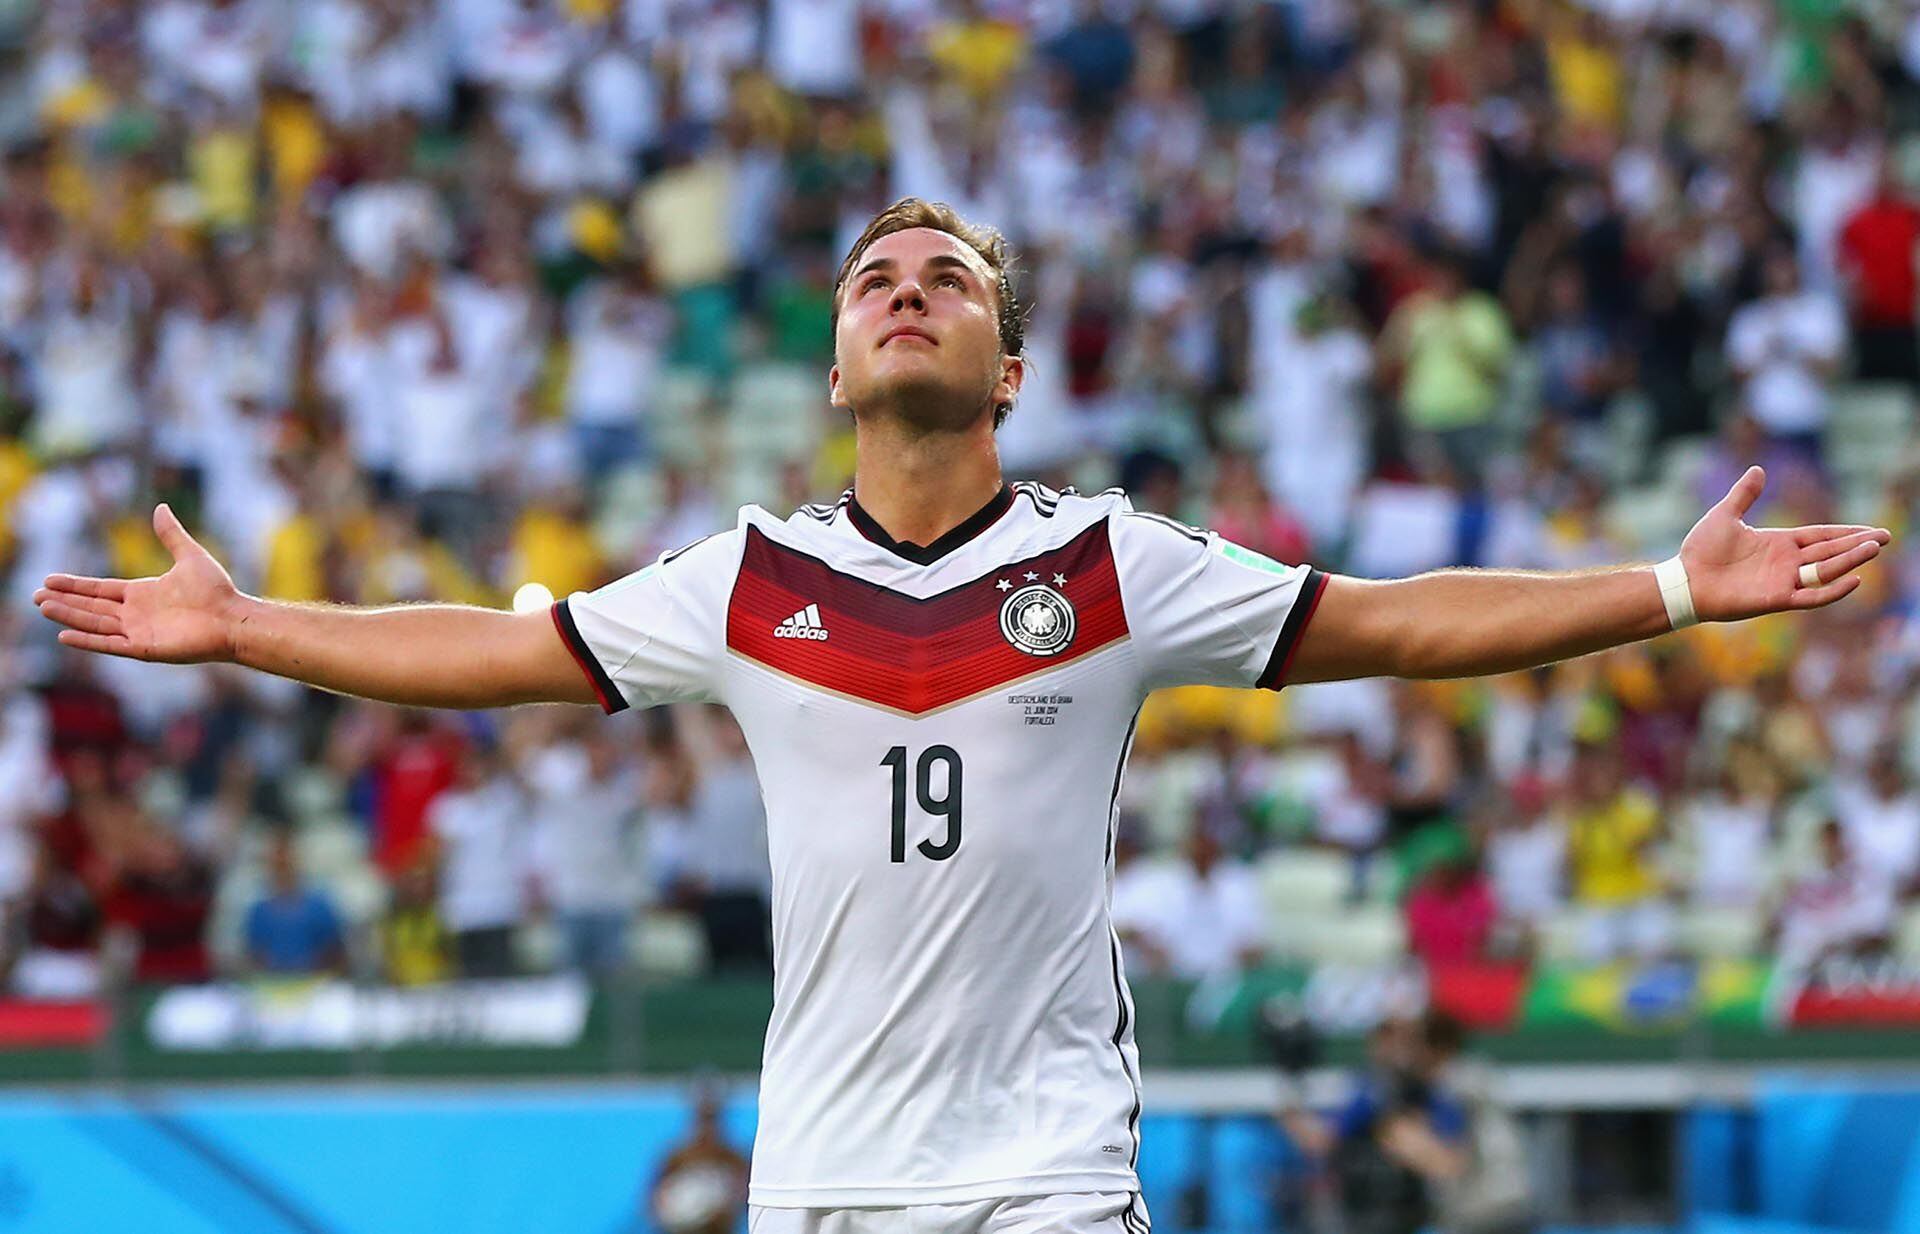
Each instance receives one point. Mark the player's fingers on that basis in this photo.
(1820, 573)
(111, 644)
(1814, 534)
(79, 618)
(106, 588)
(1826, 550)
(172, 535)
(1745, 491)
(1820, 597)
(92, 604)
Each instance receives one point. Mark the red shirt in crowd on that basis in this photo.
(1450, 917)
(167, 909)
(419, 767)
(1877, 251)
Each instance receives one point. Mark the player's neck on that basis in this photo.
(919, 486)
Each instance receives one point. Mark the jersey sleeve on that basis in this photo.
(655, 636)
(1202, 610)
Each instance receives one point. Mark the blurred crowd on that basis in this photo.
(481, 299)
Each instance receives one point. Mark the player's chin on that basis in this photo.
(926, 396)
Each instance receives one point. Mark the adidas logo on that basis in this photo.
(803, 624)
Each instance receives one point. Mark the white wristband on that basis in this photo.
(1675, 593)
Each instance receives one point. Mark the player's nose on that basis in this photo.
(907, 294)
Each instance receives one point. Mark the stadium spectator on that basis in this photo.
(1203, 914)
(414, 947)
(53, 934)
(1451, 345)
(1350, 809)
(585, 794)
(29, 787)
(1613, 829)
(294, 929)
(83, 366)
(702, 1182)
(619, 334)
(1879, 246)
(1880, 816)
(1786, 348)
(410, 768)
(1580, 367)
(1526, 858)
(479, 825)
(1258, 522)
(1451, 913)
(429, 300)
(160, 898)
(1843, 906)
(1729, 831)
(726, 875)
(1398, 1136)
(1424, 762)
(1307, 383)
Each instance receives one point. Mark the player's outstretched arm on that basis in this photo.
(1465, 623)
(424, 655)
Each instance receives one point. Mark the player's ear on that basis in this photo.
(835, 395)
(1013, 371)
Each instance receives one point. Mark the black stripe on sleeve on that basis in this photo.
(611, 700)
(670, 554)
(1275, 674)
(1192, 533)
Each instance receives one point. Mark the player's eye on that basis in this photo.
(873, 282)
(954, 279)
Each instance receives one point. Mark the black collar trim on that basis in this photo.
(925, 555)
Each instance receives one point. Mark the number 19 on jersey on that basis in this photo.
(947, 805)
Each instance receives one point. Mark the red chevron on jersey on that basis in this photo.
(918, 655)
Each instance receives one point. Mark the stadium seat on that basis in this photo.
(663, 943)
(1721, 933)
(312, 794)
(1653, 516)
(1363, 936)
(1563, 938)
(748, 476)
(360, 894)
(773, 410)
(1304, 878)
(1161, 791)
(240, 885)
(1869, 430)
(1906, 939)
(1291, 935)
(330, 850)
(1682, 462)
(677, 418)
(536, 945)
(1372, 935)
(1629, 430)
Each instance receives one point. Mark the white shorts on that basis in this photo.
(1103, 1212)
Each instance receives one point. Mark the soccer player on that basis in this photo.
(938, 675)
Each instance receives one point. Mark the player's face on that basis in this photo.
(919, 334)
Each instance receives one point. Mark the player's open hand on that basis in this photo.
(1737, 571)
(185, 616)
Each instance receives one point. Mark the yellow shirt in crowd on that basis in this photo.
(1456, 357)
(1611, 846)
(550, 548)
(1587, 78)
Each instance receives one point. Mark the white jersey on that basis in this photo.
(939, 733)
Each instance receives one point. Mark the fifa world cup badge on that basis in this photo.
(1038, 620)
